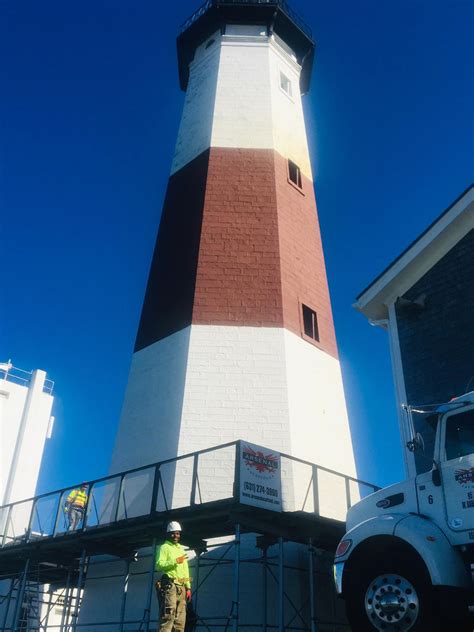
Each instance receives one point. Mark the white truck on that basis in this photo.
(405, 562)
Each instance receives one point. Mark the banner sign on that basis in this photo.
(260, 477)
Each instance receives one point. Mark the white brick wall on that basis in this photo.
(234, 99)
(235, 388)
(194, 134)
(151, 413)
(209, 385)
(317, 407)
(289, 133)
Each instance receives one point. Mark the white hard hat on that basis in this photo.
(173, 526)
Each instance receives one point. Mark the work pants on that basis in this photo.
(172, 609)
(74, 516)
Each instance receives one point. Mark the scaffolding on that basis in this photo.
(44, 565)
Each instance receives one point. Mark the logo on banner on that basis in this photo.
(464, 477)
(262, 463)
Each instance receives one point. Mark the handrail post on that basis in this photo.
(58, 510)
(315, 490)
(30, 521)
(236, 486)
(192, 499)
(7, 523)
(155, 490)
(348, 492)
(119, 494)
(86, 506)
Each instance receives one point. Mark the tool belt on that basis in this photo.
(162, 585)
(165, 583)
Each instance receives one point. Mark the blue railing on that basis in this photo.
(190, 480)
(281, 4)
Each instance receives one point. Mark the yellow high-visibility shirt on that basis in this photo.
(77, 498)
(165, 562)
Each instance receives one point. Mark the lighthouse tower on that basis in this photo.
(236, 337)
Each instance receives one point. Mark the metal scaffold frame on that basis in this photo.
(120, 523)
(290, 616)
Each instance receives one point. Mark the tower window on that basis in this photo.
(310, 323)
(294, 173)
(285, 84)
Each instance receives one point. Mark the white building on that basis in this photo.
(26, 400)
(26, 423)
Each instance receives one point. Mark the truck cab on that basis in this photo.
(405, 561)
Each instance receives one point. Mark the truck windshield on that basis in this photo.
(460, 435)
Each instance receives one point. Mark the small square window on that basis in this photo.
(310, 323)
(294, 173)
(285, 84)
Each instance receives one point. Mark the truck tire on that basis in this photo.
(391, 595)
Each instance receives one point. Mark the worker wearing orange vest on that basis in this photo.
(75, 506)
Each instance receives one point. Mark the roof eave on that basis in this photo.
(418, 258)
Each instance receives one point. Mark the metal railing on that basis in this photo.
(23, 378)
(281, 4)
(194, 479)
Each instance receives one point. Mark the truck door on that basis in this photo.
(457, 468)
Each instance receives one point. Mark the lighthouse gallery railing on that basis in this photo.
(281, 4)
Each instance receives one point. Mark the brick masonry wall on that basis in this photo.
(238, 273)
(238, 245)
(303, 271)
(260, 254)
(168, 303)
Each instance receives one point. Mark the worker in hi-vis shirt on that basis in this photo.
(75, 506)
(174, 586)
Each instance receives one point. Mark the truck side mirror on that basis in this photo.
(417, 443)
(436, 475)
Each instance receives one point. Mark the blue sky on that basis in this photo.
(89, 112)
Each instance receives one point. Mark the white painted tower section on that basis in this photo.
(235, 99)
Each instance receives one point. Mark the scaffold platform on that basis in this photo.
(128, 511)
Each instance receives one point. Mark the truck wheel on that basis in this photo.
(397, 600)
